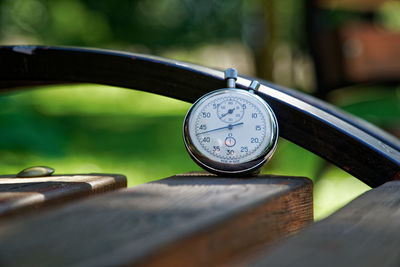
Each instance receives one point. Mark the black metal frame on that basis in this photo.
(352, 144)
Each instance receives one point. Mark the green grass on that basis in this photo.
(143, 148)
(90, 128)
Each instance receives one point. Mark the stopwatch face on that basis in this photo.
(230, 131)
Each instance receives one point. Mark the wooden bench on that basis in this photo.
(363, 233)
(198, 219)
(185, 220)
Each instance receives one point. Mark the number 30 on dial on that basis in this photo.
(230, 131)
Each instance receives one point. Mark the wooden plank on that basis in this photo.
(186, 220)
(21, 195)
(364, 233)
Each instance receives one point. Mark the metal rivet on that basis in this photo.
(37, 171)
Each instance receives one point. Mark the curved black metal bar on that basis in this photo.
(354, 145)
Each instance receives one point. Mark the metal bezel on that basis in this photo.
(219, 168)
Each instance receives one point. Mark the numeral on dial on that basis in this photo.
(206, 114)
(206, 139)
(230, 152)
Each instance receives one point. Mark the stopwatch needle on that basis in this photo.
(230, 111)
(230, 126)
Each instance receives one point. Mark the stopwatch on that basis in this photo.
(231, 131)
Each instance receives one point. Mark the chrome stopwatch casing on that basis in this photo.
(230, 131)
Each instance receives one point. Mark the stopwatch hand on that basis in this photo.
(230, 111)
(230, 126)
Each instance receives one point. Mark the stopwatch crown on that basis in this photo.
(231, 77)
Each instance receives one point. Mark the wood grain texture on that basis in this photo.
(21, 195)
(188, 220)
(364, 233)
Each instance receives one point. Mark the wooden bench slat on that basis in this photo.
(364, 233)
(18, 195)
(186, 220)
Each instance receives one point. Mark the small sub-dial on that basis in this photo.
(230, 141)
(230, 111)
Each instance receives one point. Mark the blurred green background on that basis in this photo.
(92, 128)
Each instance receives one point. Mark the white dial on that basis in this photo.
(231, 126)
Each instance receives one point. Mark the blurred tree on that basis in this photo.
(156, 24)
(153, 26)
